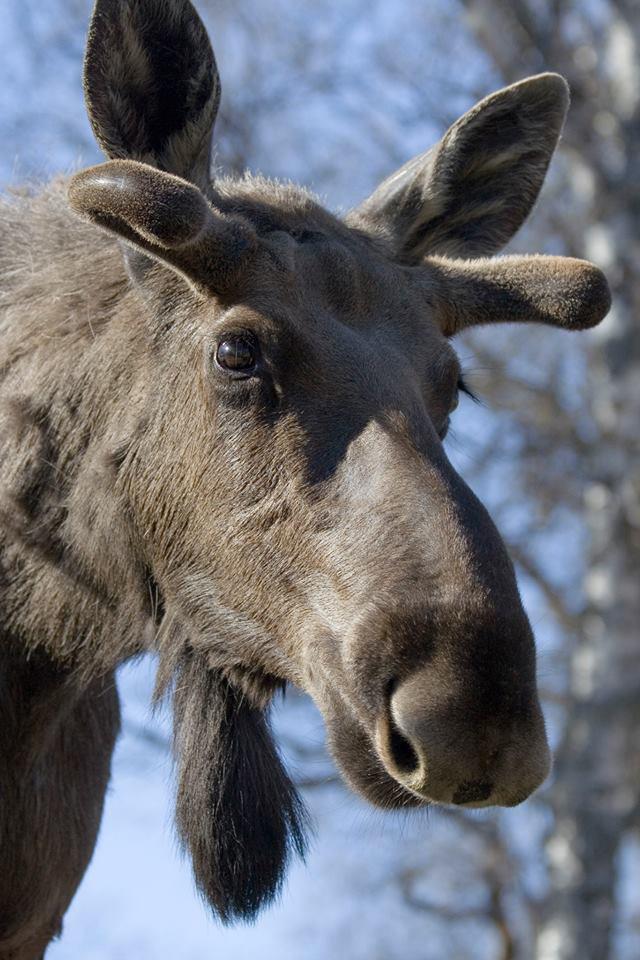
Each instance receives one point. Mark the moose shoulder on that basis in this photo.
(221, 422)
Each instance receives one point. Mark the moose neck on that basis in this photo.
(72, 386)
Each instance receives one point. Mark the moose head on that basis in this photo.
(286, 477)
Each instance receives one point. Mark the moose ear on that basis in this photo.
(165, 217)
(468, 195)
(237, 814)
(151, 84)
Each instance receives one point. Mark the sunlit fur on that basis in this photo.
(302, 525)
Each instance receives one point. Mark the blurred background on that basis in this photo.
(336, 94)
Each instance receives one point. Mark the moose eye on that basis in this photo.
(237, 355)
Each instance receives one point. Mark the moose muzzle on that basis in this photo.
(441, 668)
(455, 750)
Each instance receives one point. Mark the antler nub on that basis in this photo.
(557, 291)
(167, 218)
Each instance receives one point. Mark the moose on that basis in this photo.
(222, 414)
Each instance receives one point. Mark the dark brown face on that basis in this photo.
(319, 511)
(288, 481)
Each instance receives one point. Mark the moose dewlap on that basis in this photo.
(221, 422)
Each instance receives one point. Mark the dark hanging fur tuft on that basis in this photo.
(237, 813)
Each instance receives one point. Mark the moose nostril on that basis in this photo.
(402, 753)
(472, 792)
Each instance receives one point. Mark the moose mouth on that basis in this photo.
(384, 767)
(363, 768)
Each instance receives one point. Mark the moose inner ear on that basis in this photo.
(151, 84)
(468, 195)
(237, 813)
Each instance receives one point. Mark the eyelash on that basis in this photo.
(463, 387)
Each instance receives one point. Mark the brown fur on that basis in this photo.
(300, 523)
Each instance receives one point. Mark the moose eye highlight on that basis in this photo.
(238, 355)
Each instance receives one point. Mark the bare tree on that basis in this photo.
(595, 794)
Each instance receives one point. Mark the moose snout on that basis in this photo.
(458, 750)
